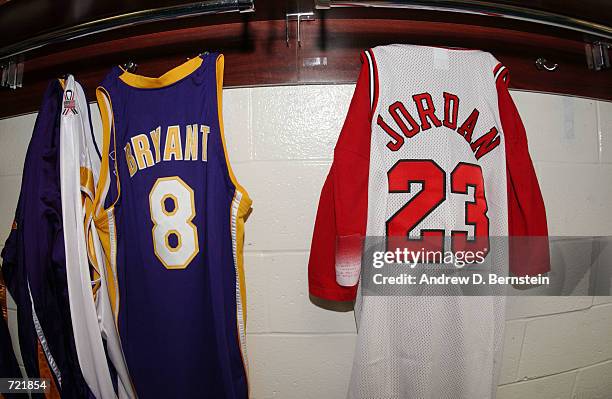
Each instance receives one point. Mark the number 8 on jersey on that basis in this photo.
(175, 237)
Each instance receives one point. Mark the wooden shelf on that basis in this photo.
(257, 54)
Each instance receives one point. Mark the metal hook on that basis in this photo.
(202, 54)
(597, 55)
(130, 66)
(11, 73)
(542, 65)
(299, 17)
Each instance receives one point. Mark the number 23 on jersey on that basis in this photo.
(433, 193)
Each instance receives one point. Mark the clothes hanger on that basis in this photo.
(202, 54)
(129, 66)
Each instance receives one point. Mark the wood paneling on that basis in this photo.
(340, 40)
(21, 19)
(596, 11)
(256, 54)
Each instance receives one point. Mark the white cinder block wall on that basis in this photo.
(281, 143)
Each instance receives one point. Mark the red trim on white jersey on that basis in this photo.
(373, 79)
(502, 74)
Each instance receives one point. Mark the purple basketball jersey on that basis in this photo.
(34, 257)
(170, 216)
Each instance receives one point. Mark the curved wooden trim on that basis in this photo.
(256, 54)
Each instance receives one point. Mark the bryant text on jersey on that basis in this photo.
(139, 153)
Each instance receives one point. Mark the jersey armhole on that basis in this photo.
(108, 129)
(368, 56)
(501, 75)
(246, 201)
(238, 217)
(92, 134)
(103, 218)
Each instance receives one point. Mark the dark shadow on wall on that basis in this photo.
(333, 305)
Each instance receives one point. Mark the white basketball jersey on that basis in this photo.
(422, 91)
(79, 170)
(424, 153)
